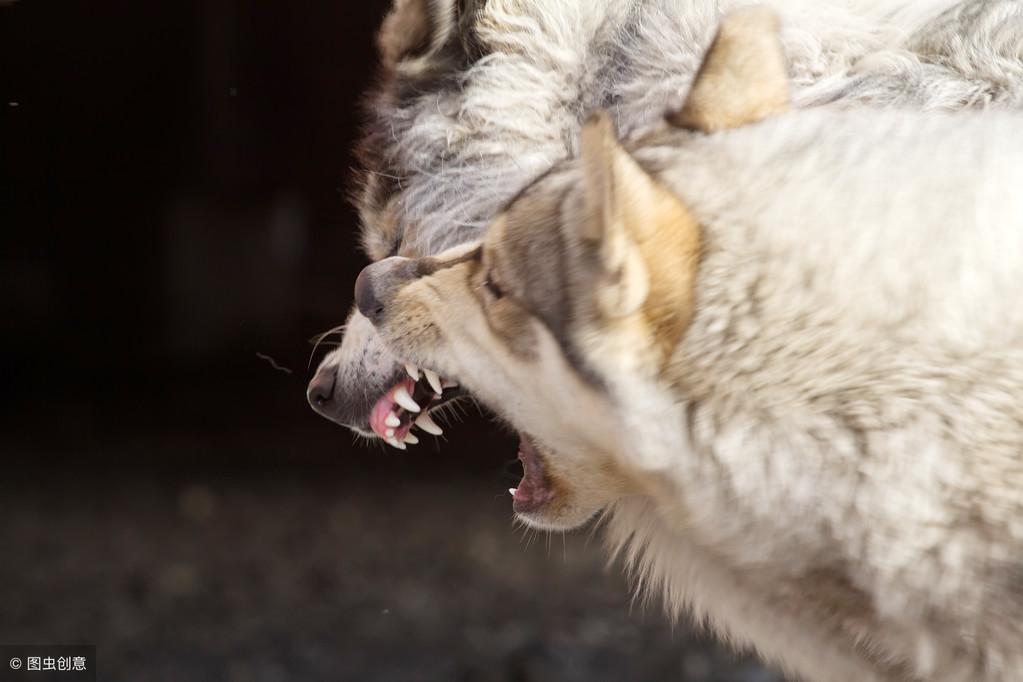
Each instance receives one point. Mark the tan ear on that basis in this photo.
(415, 31)
(610, 179)
(648, 240)
(743, 78)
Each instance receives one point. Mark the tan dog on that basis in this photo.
(783, 350)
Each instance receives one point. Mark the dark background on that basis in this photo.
(174, 213)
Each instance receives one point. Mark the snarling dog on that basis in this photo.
(782, 348)
(477, 98)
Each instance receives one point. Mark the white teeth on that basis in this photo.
(412, 370)
(448, 383)
(394, 443)
(411, 439)
(434, 380)
(389, 433)
(427, 424)
(512, 491)
(402, 397)
(392, 421)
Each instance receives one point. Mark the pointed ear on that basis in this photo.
(648, 240)
(610, 177)
(743, 78)
(416, 32)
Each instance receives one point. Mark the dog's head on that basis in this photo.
(585, 281)
(589, 268)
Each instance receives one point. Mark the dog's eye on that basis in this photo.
(492, 288)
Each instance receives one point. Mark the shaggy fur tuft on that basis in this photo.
(464, 146)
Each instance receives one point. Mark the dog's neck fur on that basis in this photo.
(790, 620)
(825, 369)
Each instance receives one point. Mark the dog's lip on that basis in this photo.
(534, 490)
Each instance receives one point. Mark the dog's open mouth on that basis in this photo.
(534, 489)
(408, 403)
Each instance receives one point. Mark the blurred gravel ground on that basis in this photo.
(317, 577)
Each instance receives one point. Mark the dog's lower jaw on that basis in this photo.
(542, 519)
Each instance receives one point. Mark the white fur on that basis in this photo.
(829, 469)
(852, 383)
(743, 605)
(465, 150)
(517, 111)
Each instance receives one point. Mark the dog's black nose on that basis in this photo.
(365, 295)
(320, 393)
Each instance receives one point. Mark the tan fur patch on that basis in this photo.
(506, 317)
(671, 249)
(743, 78)
(406, 31)
(383, 241)
(638, 219)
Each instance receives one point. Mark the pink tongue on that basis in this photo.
(533, 491)
(384, 407)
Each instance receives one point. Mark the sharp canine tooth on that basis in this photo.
(402, 397)
(412, 370)
(512, 491)
(427, 424)
(434, 380)
(394, 443)
(389, 433)
(411, 439)
(392, 421)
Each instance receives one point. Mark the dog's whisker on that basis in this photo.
(319, 338)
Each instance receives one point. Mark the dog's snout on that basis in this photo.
(365, 295)
(320, 392)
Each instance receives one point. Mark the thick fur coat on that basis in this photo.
(467, 144)
(851, 378)
(786, 358)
